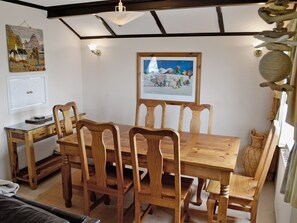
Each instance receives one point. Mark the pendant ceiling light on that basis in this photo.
(120, 16)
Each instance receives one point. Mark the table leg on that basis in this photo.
(31, 160)
(224, 198)
(201, 183)
(13, 157)
(66, 181)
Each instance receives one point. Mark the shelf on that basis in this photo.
(44, 168)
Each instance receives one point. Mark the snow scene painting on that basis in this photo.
(168, 78)
(25, 49)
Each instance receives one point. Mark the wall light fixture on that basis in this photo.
(94, 50)
(258, 48)
(258, 52)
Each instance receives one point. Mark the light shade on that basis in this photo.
(94, 50)
(92, 46)
(120, 16)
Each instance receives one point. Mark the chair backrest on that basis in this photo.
(155, 160)
(67, 126)
(195, 122)
(98, 151)
(266, 157)
(150, 112)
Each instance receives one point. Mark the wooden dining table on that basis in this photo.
(202, 155)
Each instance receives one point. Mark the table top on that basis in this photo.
(25, 127)
(211, 151)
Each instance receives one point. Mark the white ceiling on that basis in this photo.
(243, 18)
(48, 3)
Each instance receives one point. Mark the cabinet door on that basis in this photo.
(18, 94)
(37, 94)
(26, 92)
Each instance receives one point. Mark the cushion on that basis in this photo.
(13, 210)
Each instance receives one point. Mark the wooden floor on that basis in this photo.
(50, 192)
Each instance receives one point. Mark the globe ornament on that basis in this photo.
(275, 66)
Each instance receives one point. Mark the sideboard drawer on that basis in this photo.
(40, 135)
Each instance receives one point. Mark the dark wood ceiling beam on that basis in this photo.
(158, 22)
(220, 19)
(26, 4)
(110, 30)
(69, 27)
(140, 5)
(173, 35)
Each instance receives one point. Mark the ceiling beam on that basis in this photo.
(172, 35)
(109, 29)
(158, 22)
(69, 27)
(140, 5)
(220, 19)
(26, 4)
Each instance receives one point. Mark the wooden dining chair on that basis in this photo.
(111, 180)
(62, 117)
(195, 126)
(65, 126)
(150, 105)
(156, 188)
(244, 191)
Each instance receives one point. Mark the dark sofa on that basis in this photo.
(17, 209)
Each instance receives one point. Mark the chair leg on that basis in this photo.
(186, 205)
(106, 199)
(120, 209)
(151, 211)
(87, 205)
(254, 213)
(210, 208)
(137, 211)
(177, 215)
(93, 197)
(201, 183)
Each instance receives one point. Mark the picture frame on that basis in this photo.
(173, 77)
(25, 49)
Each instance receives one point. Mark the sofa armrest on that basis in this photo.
(71, 217)
(14, 210)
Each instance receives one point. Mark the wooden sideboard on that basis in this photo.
(28, 134)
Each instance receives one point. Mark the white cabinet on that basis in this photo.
(26, 91)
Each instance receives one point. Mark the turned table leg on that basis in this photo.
(224, 198)
(66, 181)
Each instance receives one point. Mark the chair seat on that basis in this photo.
(112, 177)
(168, 185)
(241, 187)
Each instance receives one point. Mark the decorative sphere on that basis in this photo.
(275, 66)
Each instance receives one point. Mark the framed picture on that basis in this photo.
(25, 49)
(171, 77)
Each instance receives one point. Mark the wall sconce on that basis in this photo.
(258, 52)
(93, 48)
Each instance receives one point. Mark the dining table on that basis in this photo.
(201, 155)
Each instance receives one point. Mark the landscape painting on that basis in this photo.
(25, 49)
(172, 77)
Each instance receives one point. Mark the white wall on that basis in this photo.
(63, 67)
(229, 81)
(229, 78)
